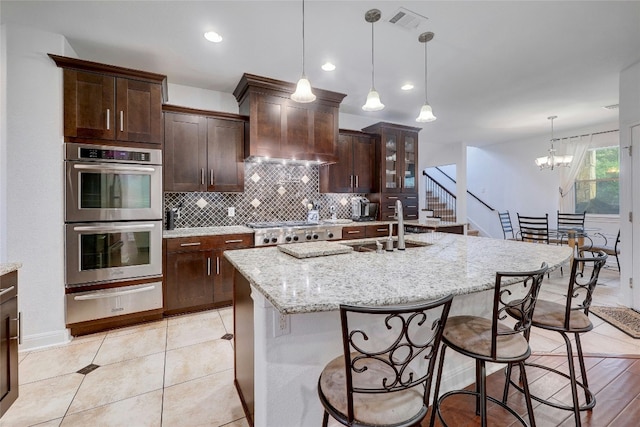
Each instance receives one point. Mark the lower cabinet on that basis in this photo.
(366, 231)
(197, 276)
(9, 326)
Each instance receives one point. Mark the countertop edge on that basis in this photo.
(8, 267)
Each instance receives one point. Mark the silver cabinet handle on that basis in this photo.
(211, 177)
(19, 320)
(208, 266)
(411, 197)
(353, 232)
(350, 180)
(217, 265)
(392, 197)
(412, 206)
(113, 227)
(110, 168)
(102, 295)
(233, 241)
(381, 229)
(108, 119)
(202, 176)
(6, 291)
(190, 244)
(121, 121)
(357, 180)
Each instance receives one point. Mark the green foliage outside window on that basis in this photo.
(597, 187)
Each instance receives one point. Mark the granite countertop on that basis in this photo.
(452, 263)
(206, 231)
(8, 267)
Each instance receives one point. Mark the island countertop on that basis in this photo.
(450, 264)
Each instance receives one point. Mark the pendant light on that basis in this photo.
(552, 161)
(426, 114)
(303, 88)
(373, 98)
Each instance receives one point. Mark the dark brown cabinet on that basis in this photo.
(285, 129)
(355, 171)
(397, 157)
(366, 231)
(203, 153)
(197, 276)
(103, 103)
(9, 330)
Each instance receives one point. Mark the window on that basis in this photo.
(597, 186)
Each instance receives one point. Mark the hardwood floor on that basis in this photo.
(615, 381)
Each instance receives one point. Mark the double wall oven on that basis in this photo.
(113, 231)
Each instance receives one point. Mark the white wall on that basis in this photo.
(33, 232)
(630, 184)
(3, 144)
(203, 99)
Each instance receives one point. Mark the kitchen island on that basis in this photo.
(286, 319)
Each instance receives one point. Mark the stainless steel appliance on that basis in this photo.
(283, 232)
(113, 251)
(105, 183)
(363, 210)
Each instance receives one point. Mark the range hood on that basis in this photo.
(280, 128)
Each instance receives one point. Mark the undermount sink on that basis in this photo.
(371, 246)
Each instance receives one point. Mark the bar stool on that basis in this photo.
(490, 340)
(384, 376)
(568, 318)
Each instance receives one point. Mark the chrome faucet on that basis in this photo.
(399, 215)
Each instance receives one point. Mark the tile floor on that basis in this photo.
(179, 371)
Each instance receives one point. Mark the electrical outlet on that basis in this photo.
(281, 324)
(231, 211)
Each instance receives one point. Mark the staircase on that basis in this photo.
(440, 209)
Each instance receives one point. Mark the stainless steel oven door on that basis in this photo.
(96, 191)
(103, 252)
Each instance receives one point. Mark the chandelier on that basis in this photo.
(552, 160)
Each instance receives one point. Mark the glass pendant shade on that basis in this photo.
(303, 91)
(426, 114)
(373, 101)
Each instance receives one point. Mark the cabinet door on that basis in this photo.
(380, 230)
(8, 354)
(225, 154)
(338, 177)
(223, 288)
(267, 117)
(325, 131)
(89, 105)
(185, 152)
(409, 142)
(354, 232)
(138, 111)
(391, 157)
(189, 280)
(363, 164)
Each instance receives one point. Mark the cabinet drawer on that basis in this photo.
(380, 230)
(232, 241)
(8, 286)
(206, 243)
(357, 232)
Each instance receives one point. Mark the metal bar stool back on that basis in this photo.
(384, 376)
(570, 317)
(534, 228)
(507, 227)
(491, 340)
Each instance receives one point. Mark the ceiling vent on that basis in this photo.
(611, 107)
(407, 19)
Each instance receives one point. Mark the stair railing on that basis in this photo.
(447, 200)
(468, 192)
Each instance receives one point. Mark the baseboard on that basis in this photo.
(44, 340)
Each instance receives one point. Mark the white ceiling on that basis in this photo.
(497, 69)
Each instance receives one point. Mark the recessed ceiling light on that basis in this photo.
(328, 66)
(407, 86)
(212, 36)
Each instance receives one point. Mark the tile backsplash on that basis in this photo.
(272, 192)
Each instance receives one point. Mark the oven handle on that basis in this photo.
(113, 227)
(101, 295)
(115, 167)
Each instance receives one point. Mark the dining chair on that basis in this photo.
(604, 246)
(567, 317)
(534, 228)
(507, 227)
(384, 376)
(567, 222)
(491, 340)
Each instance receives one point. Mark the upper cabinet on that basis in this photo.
(203, 150)
(285, 129)
(355, 170)
(398, 154)
(103, 103)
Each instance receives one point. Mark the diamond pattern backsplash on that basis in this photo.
(272, 192)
